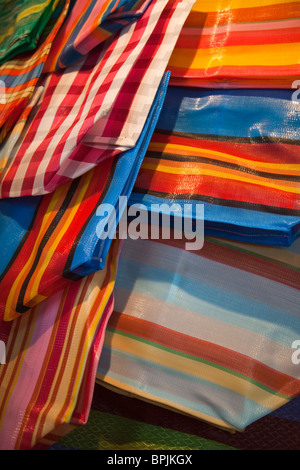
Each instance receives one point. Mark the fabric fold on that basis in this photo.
(22, 24)
(58, 238)
(112, 88)
(233, 151)
(51, 360)
(19, 79)
(210, 333)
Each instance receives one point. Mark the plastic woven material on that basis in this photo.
(208, 333)
(56, 238)
(237, 153)
(231, 44)
(106, 431)
(22, 24)
(17, 90)
(269, 433)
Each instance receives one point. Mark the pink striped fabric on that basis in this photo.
(95, 109)
(52, 354)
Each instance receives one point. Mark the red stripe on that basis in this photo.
(81, 412)
(236, 38)
(216, 187)
(261, 152)
(30, 135)
(56, 345)
(85, 209)
(79, 83)
(134, 39)
(226, 72)
(60, 118)
(52, 279)
(23, 256)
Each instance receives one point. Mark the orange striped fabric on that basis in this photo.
(42, 262)
(236, 152)
(51, 357)
(230, 43)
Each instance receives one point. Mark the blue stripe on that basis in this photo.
(290, 411)
(250, 412)
(235, 113)
(91, 252)
(208, 300)
(16, 215)
(235, 223)
(22, 78)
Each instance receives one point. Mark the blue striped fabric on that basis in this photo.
(235, 152)
(209, 334)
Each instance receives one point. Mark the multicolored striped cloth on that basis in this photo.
(49, 241)
(52, 354)
(22, 24)
(89, 23)
(236, 152)
(210, 333)
(233, 44)
(19, 77)
(96, 108)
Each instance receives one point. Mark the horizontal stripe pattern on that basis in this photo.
(214, 323)
(236, 149)
(52, 354)
(232, 45)
(280, 432)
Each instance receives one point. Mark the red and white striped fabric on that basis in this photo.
(101, 102)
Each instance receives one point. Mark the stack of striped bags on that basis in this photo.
(165, 103)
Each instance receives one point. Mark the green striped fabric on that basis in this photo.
(22, 23)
